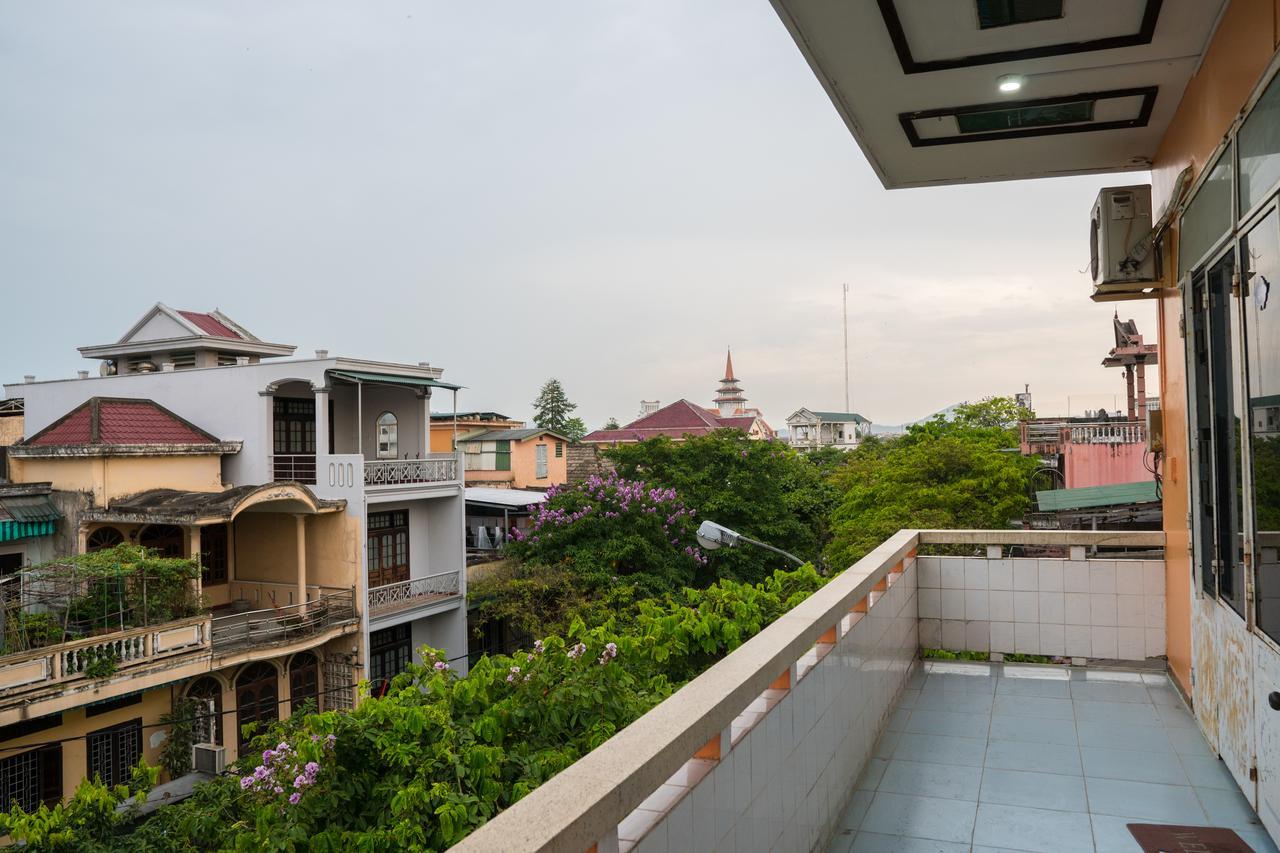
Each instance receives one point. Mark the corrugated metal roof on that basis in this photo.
(504, 497)
(1116, 494)
(510, 435)
(30, 508)
(842, 417)
(392, 379)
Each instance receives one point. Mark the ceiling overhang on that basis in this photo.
(916, 82)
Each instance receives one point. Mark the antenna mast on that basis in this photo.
(844, 301)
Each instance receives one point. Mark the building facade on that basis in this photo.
(330, 542)
(532, 458)
(809, 430)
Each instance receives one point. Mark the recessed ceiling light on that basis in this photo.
(1009, 83)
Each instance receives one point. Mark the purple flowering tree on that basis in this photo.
(606, 528)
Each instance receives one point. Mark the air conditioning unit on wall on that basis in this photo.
(1123, 257)
(209, 758)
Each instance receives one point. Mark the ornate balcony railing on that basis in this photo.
(1100, 432)
(102, 656)
(413, 593)
(435, 468)
(279, 625)
(298, 467)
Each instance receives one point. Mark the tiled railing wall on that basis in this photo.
(784, 780)
(1089, 608)
(761, 751)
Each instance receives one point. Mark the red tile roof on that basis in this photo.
(211, 325)
(676, 420)
(103, 420)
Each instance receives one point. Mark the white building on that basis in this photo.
(346, 428)
(809, 430)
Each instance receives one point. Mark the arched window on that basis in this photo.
(388, 443)
(208, 691)
(164, 538)
(256, 700)
(102, 539)
(304, 682)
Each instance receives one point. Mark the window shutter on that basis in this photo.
(502, 456)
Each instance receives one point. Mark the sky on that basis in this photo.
(609, 193)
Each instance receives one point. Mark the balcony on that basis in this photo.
(825, 731)
(435, 468)
(413, 594)
(287, 625)
(64, 665)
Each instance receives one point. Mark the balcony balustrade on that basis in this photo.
(435, 468)
(282, 625)
(413, 593)
(95, 658)
(298, 467)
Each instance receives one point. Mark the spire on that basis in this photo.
(729, 400)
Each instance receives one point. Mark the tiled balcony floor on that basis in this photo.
(990, 757)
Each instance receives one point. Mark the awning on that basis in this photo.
(393, 379)
(503, 498)
(30, 508)
(11, 530)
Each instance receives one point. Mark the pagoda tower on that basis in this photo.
(729, 397)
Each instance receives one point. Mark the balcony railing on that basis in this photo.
(1100, 432)
(415, 592)
(298, 467)
(435, 468)
(102, 656)
(766, 746)
(281, 625)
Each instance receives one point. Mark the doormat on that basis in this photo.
(1159, 838)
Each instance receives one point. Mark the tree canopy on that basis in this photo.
(552, 409)
(965, 472)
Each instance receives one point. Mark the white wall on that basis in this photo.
(784, 786)
(1080, 608)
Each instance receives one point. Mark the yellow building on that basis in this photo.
(269, 624)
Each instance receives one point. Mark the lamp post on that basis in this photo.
(712, 536)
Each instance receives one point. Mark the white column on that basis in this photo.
(193, 551)
(269, 432)
(322, 424)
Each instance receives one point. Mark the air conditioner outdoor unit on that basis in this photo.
(1123, 258)
(209, 758)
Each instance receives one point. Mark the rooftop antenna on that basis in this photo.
(844, 302)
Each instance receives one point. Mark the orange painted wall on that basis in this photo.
(524, 463)
(1237, 57)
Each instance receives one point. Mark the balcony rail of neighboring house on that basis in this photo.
(434, 468)
(95, 658)
(415, 592)
(1060, 432)
(298, 467)
(281, 625)
(766, 746)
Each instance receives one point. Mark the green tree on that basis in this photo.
(612, 423)
(552, 408)
(574, 429)
(761, 489)
(963, 472)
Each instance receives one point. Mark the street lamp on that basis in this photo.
(712, 536)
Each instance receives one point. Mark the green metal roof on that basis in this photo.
(393, 379)
(30, 508)
(1116, 494)
(842, 417)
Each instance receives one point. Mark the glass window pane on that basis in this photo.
(1260, 251)
(1259, 141)
(1208, 217)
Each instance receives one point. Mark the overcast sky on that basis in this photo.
(606, 192)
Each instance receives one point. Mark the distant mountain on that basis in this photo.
(898, 429)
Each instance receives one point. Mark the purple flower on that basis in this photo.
(245, 782)
(441, 666)
(294, 798)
